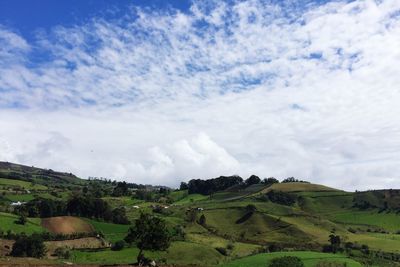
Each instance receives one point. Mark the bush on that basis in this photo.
(286, 261)
(119, 245)
(62, 253)
(282, 198)
(223, 251)
(29, 246)
(202, 220)
(21, 220)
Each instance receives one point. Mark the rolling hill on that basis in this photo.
(242, 225)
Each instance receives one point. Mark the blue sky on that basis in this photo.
(164, 91)
(29, 16)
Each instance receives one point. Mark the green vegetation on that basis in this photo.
(112, 232)
(8, 223)
(310, 259)
(226, 221)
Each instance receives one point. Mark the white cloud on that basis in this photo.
(223, 89)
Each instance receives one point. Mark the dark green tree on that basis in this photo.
(21, 220)
(286, 261)
(202, 220)
(149, 233)
(253, 180)
(29, 246)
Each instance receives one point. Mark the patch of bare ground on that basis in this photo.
(66, 225)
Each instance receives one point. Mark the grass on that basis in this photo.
(8, 223)
(122, 201)
(192, 198)
(112, 232)
(178, 195)
(19, 197)
(310, 259)
(179, 253)
(259, 228)
(388, 221)
(23, 184)
(299, 187)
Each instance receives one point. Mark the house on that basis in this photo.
(18, 203)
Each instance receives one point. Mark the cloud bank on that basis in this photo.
(161, 96)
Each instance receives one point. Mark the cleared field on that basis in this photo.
(112, 232)
(66, 225)
(7, 223)
(310, 259)
(88, 242)
(298, 187)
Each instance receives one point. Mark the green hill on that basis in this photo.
(240, 225)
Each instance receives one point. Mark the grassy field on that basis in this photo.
(112, 232)
(310, 259)
(19, 197)
(299, 187)
(388, 221)
(7, 222)
(192, 198)
(22, 184)
(178, 195)
(180, 253)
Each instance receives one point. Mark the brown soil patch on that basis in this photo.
(5, 247)
(66, 225)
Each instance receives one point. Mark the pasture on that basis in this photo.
(310, 259)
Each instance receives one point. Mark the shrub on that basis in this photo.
(62, 253)
(286, 261)
(119, 245)
(21, 220)
(202, 220)
(222, 250)
(29, 246)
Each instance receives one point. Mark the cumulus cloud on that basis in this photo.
(275, 89)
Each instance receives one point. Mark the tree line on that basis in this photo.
(77, 205)
(210, 186)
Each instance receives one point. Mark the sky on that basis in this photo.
(160, 92)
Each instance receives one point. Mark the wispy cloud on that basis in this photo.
(246, 87)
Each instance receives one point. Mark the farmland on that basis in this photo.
(241, 225)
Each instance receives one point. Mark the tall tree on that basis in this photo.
(149, 233)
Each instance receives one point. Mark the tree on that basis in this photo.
(286, 261)
(21, 220)
(183, 186)
(119, 216)
(253, 180)
(335, 242)
(149, 233)
(202, 220)
(119, 245)
(29, 246)
(270, 181)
